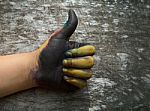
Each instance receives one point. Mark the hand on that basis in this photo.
(60, 62)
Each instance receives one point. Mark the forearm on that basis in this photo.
(16, 72)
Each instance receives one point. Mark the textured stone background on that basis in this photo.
(120, 30)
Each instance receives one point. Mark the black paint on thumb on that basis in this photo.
(69, 26)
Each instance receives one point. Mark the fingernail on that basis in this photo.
(64, 62)
(65, 70)
(68, 53)
(66, 78)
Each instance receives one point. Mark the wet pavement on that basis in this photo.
(119, 29)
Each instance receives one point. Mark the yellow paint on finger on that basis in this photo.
(77, 73)
(82, 51)
(82, 62)
(77, 82)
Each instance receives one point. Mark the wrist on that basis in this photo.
(33, 67)
(19, 76)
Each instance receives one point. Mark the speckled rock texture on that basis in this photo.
(120, 30)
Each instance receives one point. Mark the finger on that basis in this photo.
(76, 82)
(77, 73)
(81, 62)
(69, 27)
(73, 44)
(81, 51)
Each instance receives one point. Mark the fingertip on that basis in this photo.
(92, 48)
(70, 25)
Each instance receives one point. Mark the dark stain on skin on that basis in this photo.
(50, 60)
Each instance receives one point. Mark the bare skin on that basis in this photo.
(15, 72)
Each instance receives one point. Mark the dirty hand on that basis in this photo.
(61, 62)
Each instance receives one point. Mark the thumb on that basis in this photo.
(69, 26)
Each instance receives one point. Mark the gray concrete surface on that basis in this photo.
(120, 30)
